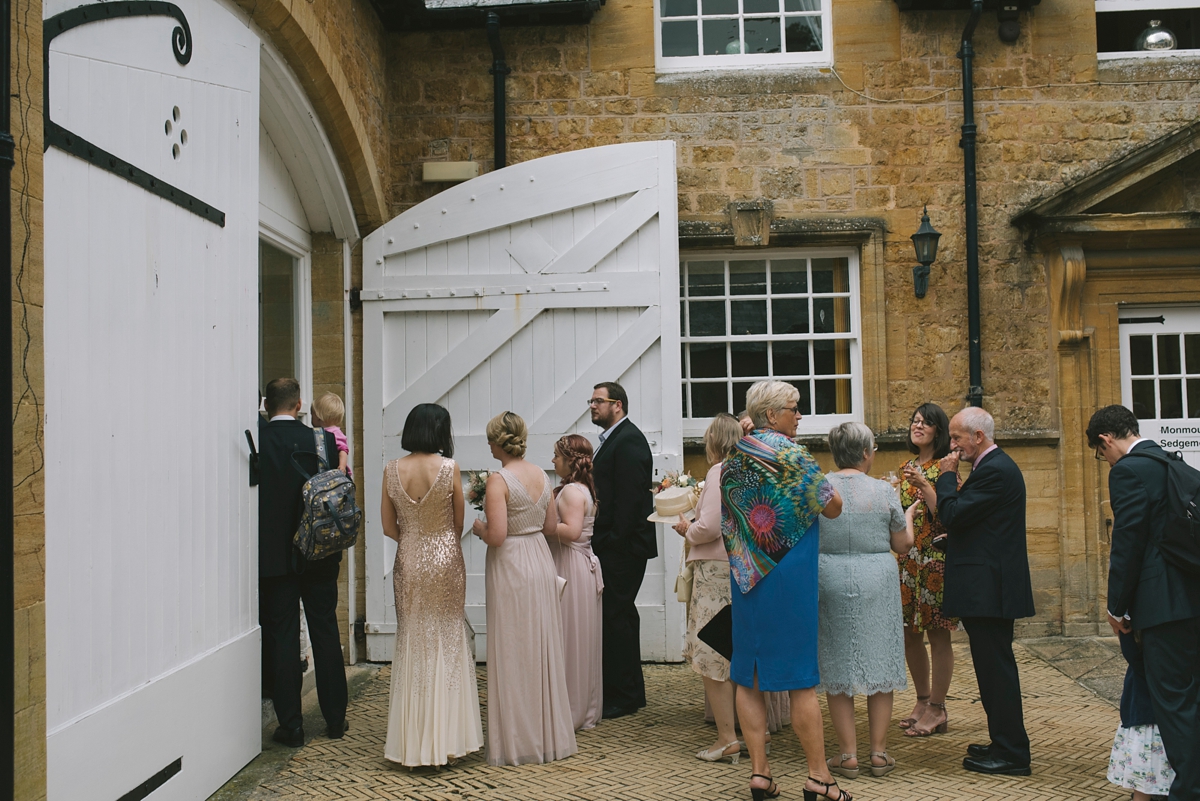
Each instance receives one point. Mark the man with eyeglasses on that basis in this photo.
(623, 540)
(1148, 593)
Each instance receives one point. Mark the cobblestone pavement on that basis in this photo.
(650, 755)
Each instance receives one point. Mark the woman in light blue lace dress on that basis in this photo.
(860, 629)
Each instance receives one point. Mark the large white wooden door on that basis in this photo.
(151, 219)
(520, 290)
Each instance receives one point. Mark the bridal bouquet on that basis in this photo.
(477, 487)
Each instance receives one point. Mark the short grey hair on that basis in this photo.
(975, 419)
(766, 396)
(850, 443)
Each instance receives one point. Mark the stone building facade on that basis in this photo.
(1087, 191)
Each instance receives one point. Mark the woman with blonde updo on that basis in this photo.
(570, 540)
(529, 712)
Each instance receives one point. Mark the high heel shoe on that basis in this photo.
(940, 728)
(813, 795)
(849, 773)
(887, 767)
(759, 793)
(718, 754)
(908, 723)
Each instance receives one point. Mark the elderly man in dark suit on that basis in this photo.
(284, 578)
(624, 540)
(987, 580)
(1149, 594)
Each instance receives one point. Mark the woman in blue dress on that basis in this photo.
(772, 492)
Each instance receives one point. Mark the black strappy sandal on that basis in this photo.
(813, 795)
(759, 793)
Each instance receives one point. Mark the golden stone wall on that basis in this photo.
(29, 523)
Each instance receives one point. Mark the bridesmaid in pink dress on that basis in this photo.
(570, 538)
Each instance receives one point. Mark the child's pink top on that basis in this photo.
(339, 438)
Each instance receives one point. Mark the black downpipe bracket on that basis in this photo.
(970, 198)
(499, 72)
(7, 592)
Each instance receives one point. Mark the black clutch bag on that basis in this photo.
(717, 633)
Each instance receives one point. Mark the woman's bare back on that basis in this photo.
(418, 472)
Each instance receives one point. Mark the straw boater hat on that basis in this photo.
(672, 502)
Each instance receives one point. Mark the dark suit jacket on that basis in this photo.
(279, 493)
(623, 471)
(987, 566)
(1141, 583)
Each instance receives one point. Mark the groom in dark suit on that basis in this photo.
(623, 539)
(285, 578)
(987, 580)
(1149, 594)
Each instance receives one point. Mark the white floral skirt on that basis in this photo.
(1139, 762)
(710, 594)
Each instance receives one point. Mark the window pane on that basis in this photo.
(803, 34)
(762, 35)
(748, 317)
(831, 315)
(789, 316)
(712, 7)
(708, 360)
(680, 39)
(789, 276)
(831, 357)
(706, 278)
(683, 362)
(1193, 385)
(760, 6)
(831, 275)
(833, 396)
(706, 319)
(748, 358)
(1141, 356)
(276, 310)
(747, 277)
(739, 397)
(708, 399)
(1168, 355)
(790, 358)
(721, 37)
(805, 402)
(1170, 396)
(801, 5)
(1143, 400)
(678, 8)
(1191, 347)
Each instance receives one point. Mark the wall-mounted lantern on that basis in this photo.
(925, 242)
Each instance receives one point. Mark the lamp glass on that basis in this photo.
(925, 241)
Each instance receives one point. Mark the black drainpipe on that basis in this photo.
(499, 71)
(7, 592)
(967, 143)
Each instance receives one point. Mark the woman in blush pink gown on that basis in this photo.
(570, 540)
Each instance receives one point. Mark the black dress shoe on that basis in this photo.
(979, 751)
(617, 712)
(292, 738)
(995, 766)
(338, 731)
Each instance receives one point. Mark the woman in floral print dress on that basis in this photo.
(922, 571)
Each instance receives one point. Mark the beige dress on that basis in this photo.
(529, 708)
(582, 611)
(434, 711)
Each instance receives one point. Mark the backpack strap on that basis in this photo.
(322, 455)
(319, 434)
(1165, 460)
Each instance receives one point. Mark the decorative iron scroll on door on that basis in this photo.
(69, 142)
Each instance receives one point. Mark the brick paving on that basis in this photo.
(650, 755)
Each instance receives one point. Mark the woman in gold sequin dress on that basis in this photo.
(529, 709)
(433, 717)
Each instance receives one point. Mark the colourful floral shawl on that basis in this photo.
(771, 492)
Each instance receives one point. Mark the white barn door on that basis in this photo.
(151, 371)
(519, 290)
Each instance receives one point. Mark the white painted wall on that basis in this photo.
(150, 320)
